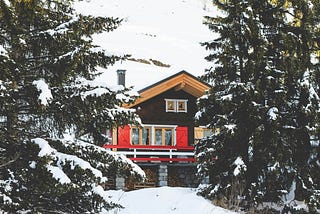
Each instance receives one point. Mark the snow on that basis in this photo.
(231, 127)
(273, 113)
(32, 165)
(97, 92)
(239, 166)
(7, 2)
(169, 31)
(45, 148)
(61, 28)
(215, 189)
(58, 160)
(75, 161)
(45, 93)
(58, 174)
(2, 50)
(175, 200)
(227, 97)
(118, 157)
(274, 167)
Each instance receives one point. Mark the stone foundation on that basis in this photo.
(183, 175)
(163, 174)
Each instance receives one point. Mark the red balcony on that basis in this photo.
(145, 153)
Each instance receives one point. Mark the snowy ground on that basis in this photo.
(169, 31)
(163, 200)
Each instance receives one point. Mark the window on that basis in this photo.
(146, 136)
(153, 135)
(170, 106)
(163, 136)
(140, 136)
(168, 133)
(158, 137)
(135, 136)
(203, 132)
(176, 105)
(182, 106)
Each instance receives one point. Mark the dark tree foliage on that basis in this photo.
(47, 69)
(264, 100)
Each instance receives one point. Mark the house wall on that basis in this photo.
(153, 111)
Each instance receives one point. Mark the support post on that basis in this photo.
(120, 183)
(163, 175)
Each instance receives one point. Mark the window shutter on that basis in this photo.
(124, 135)
(182, 136)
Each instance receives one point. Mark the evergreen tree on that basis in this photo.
(47, 69)
(264, 101)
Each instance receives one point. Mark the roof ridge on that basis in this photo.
(170, 77)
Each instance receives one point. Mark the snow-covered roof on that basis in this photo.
(136, 76)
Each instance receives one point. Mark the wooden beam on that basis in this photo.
(180, 86)
(180, 82)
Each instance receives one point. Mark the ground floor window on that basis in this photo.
(140, 136)
(164, 136)
(202, 132)
(135, 136)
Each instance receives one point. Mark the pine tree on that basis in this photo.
(47, 69)
(263, 100)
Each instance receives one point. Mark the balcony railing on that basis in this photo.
(144, 153)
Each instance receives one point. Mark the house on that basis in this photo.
(165, 140)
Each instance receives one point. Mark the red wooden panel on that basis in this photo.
(182, 136)
(151, 147)
(164, 159)
(124, 135)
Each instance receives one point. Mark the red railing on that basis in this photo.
(146, 153)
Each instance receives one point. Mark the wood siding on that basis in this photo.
(153, 111)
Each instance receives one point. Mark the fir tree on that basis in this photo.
(47, 69)
(264, 101)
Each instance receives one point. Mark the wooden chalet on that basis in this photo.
(167, 109)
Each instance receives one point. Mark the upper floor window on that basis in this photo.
(176, 105)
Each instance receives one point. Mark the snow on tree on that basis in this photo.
(265, 101)
(47, 89)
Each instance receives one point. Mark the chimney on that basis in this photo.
(121, 77)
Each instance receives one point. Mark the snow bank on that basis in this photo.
(163, 200)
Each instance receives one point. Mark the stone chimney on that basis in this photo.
(121, 77)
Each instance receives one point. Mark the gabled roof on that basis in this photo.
(179, 81)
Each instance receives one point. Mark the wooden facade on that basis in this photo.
(153, 111)
(167, 111)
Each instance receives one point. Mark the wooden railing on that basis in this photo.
(145, 153)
